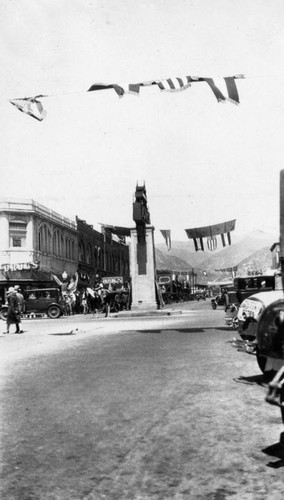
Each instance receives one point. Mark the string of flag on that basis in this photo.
(197, 234)
(33, 105)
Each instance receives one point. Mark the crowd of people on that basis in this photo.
(89, 300)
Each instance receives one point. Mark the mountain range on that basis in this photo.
(250, 253)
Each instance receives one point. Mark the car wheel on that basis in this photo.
(3, 313)
(54, 312)
(261, 360)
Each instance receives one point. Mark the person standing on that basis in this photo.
(13, 313)
(20, 298)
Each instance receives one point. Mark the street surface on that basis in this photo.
(162, 408)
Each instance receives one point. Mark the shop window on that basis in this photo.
(17, 233)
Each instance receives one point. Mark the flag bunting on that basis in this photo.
(33, 107)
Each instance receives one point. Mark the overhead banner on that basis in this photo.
(210, 232)
(118, 230)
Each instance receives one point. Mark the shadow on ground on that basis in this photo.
(252, 380)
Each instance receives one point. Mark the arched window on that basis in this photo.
(56, 248)
(81, 249)
(44, 239)
(89, 254)
(66, 248)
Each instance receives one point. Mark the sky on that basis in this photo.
(202, 162)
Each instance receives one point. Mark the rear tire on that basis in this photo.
(261, 360)
(54, 312)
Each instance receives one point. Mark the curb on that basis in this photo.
(143, 314)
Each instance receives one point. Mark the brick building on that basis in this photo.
(100, 254)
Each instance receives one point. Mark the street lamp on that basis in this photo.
(64, 275)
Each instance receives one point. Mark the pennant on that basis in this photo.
(198, 244)
(223, 238)
(102, 86)
(134, 88)
(129, 88)
(233, 94)
(31, 106)
(212, 243)
(174, 84)
(232, 90)
(167, 235)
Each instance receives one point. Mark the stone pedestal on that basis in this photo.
(142, 270)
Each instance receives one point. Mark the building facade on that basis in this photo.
(100, 254)
(38, 246)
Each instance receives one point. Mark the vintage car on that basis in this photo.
(251, 309)
(43, 301)
(270, 338)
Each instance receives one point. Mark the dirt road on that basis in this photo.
(153, 408)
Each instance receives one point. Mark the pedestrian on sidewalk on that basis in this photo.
(21, 301)
(13, 316)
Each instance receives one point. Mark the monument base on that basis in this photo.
(144, 306)
(142, 267)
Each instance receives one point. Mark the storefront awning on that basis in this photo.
(26, 275)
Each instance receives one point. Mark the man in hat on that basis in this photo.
(13, 316)
(20, 299)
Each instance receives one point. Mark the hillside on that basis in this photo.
(258, 261)
(170, 262)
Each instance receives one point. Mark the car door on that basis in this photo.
(31, 302)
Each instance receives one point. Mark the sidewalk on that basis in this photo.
(169, 310)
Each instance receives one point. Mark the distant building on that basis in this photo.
(275, 251)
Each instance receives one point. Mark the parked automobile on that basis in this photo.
(251, 309)
(40, 301)
(270, 338)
